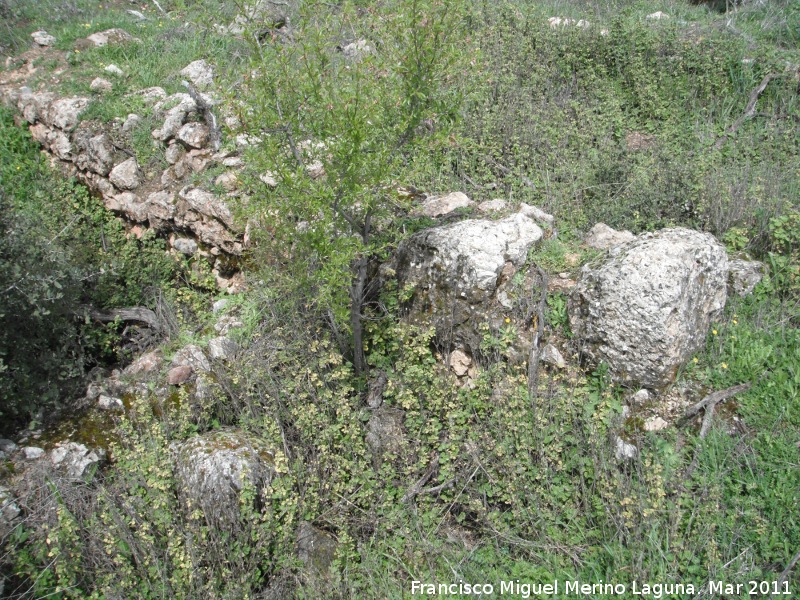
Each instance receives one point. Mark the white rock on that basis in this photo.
(537, 214)
(219, 305)
(42, 38)
(357, 49)
(137, 14)
(194, 135)
(132, 121)
(640, 397)
(460, 362)
(114, 70)
(657, 16)
(110, 37)
(64, 113)
(185, 246)
(191, 356)
(269, 179)
(200, 73)
(655, 424)
(75, 458)
(101, 86)
(603, 237)
(222, 348)
(7, 446)
(32, 452)
(439, 206)
(745, 275)
(174, 153)
(126, 175)
(233, 161)
(552, 356)
(496, 205)
(624, 450)
(105, 402)
(647, 308)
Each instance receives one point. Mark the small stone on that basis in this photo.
(222, 348)
(174, 153)
(655, 424)
(126, 175)
(7, 446)
(551, 356)
(200, 73)
(110, 37)
(192, 356)
(624, 450)
(227, 181)
(233, 162)
(495, 205)
(101, 86)
(269, 179)
(131, 122)
(640, 397)
(42, 38)
(357, 49)
(226, 323)
(137, 14)
(744, 276)
(537, 214)
(316, 169)
(179, 375)
(185, 246)
(105, 402)
(657, 16)
(219, 305)
(32, 452)
(439, 206)
(114, 70)
(146, 363)
(194, 135)
(460, 362)
(603, 237)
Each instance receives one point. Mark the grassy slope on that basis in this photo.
(538, 493)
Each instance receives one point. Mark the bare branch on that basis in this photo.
(748, 112)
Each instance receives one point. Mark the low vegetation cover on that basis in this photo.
(634, 122)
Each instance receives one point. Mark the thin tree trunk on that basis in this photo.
(356, 302)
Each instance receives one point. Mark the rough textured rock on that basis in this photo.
(74, 459)
(32, 452)
(105, 402)
(657, 16)
(194, 135)
(552, 356)
(655, 424)
(110, 37)
(185, 246)
(624, 451)
(42, 38)
(126, 175)
(179, 375)
(222, 348)
(150, 362)
(460, 362)
(191, 356)
(94, 153)
(454, 273)
(385, 430)
(64, 113)
(316, 549)
(212, 469)
(745, 275)
(7, 446)
(200, 73)
(603, 237)
(647, 308)
(537, 215)
(640, 397)
(443, 205)
(490, 206)
(100, 85)
(114, 70)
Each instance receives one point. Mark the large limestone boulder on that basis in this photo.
(212, 469)
(453, 273)
(647, 308)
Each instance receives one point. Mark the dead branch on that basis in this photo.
(713, 399)
(747, 114)
(785, 574)
(137, 314)
(416, 489)
(214, 132)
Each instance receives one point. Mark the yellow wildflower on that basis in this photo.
(724, 365)
(714, 331)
